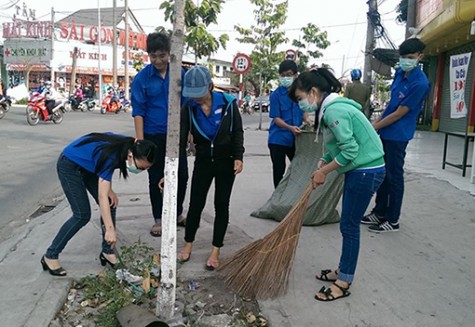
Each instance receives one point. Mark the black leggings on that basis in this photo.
(222, 171)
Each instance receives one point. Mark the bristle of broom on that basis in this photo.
(261, 269)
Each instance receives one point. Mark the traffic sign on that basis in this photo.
(241, 63)
(291, 54)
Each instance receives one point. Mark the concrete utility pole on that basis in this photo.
(372, 9)
(165, 307)
(411, 16)
(126, 68)
(114, 44)
(73, 71)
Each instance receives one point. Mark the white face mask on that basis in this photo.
(131, 168)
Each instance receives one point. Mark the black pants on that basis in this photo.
(277, 155)
(50, 105)
(156, 172)
(222, 171)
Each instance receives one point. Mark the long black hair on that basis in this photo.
(321, 78)
(117, 147)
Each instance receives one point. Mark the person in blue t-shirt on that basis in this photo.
(87, 165)
(150, 112)
(396, 128)
(286, 121)
(214, 121)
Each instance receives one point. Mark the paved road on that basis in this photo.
(28, 180)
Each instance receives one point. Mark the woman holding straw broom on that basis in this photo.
(351, 146)
(214, 121)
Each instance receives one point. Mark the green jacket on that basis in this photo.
(348, 136)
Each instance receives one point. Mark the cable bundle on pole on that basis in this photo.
(261, 269)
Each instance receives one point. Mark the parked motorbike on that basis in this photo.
(37, 110)
(88, 103)
(6, 102)
(110, 106)
(5, 105)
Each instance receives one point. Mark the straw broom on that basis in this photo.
(261, 269)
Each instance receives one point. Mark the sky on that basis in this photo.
(344, 21)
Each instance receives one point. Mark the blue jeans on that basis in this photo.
(156, 173)
(76, 182)
(390, 194)
(358, 190)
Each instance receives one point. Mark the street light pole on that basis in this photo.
(126, 68)
(114, 44)
(99, 48)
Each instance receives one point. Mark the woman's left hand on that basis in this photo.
(113, 199)
(238, 165)
(318, 178)
(110, 237)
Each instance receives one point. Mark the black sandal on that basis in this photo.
(324, 275)
(55, 272)
(327, 291)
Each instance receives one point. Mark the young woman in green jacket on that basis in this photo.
(351, 146)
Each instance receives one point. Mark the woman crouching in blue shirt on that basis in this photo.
(87, 165)
(351, 147)
(214, 121)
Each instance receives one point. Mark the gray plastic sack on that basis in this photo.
(323, 201)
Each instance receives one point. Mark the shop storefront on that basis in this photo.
(445, 27)
(31, 54)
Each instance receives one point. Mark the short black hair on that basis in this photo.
(413, 45)
(288, 65)
(158, 42)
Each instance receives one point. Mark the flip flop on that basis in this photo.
(154, 232)
(181, 256)
(212, 264)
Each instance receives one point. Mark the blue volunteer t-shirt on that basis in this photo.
(84, 156)
(281, 106)
(150, 99)
(409, 91)
(210, 124)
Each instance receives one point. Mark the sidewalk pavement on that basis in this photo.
(420, 276)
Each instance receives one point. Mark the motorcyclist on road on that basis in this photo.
(114, 92)
(50, 95)
(42, 86)
(79, 94)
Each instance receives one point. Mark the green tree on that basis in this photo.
(309, 45)
(266, 36)
(197, 19)
(401, 9)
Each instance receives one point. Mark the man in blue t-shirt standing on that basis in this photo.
(150, 112)
(396, 128)
(286, 120)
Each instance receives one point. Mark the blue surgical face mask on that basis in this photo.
(407, 64)
(307, 107)
(286, 81)
(131, 168)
